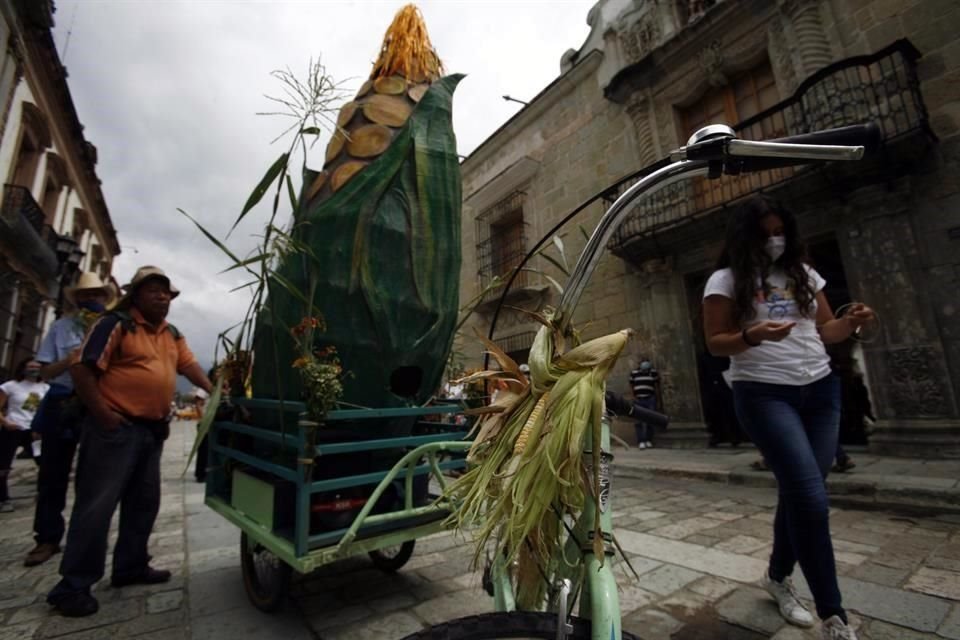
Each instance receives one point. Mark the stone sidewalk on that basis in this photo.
(700, 549)
(903, 484)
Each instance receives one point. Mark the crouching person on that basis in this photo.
(126, 377)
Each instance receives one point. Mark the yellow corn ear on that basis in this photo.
(521, 442)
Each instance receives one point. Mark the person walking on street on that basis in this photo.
(645, 383)
(19, 398)
(126, 376)
(57, 422)
(765, 308)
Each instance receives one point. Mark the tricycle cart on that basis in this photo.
(305, 494)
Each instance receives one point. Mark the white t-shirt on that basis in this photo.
(798, 359)
(23, 399)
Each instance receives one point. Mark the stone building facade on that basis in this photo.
(54, 221)
(885, 230)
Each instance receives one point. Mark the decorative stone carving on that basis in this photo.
(711, 61)
(918, 388)
(640, 38)
(780, 57)
(813, 49)
(638, 108)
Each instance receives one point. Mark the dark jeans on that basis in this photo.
(53, 481)
(10, 441)
(59, 435)
(644, 430)
(121, 466)
(796, 429)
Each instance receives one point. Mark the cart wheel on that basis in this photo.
(390, 559)
(265, 576)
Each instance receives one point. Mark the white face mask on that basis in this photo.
(775, 247)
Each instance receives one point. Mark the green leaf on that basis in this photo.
(310, 131)
(244, 286)
(554, 262)
(290, 192)
(260, 257)
(211, 237)
(556, 284)
(261, 188)
(583, 230)
(209, 412)
(558, 243)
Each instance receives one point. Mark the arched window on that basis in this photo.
(34, 139)
(55, 180)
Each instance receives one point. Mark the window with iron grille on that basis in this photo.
(502, 243)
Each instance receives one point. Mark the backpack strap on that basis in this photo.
(130, 325)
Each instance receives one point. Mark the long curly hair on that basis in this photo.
(744, 254)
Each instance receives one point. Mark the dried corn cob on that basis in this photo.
(521, 443)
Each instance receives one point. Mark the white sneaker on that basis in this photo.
(649, 445)
(787, 599)
(641, 445)
(833, 628)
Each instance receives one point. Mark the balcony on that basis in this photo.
(26, 241)
(881, 88)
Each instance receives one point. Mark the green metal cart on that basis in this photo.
(305, 494)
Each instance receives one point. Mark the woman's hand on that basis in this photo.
(859, 315)
(769, 330)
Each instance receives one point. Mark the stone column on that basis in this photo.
(912, 391)
(812, 46)
(638, 108)
(667, 337)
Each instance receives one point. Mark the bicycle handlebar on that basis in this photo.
(650, 416)
(712, 151)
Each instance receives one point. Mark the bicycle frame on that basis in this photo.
(592, 577)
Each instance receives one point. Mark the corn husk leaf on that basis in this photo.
(514, 497)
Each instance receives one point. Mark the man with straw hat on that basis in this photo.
(57, 419)
(126, 377)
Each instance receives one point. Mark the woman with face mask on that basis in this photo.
(765, 309)
(19, 400)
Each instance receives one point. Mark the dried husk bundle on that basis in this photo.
(517, 491)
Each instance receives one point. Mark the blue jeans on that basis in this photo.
(644, 430)
(796, 429)
(114, 467)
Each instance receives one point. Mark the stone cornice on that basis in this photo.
(530, 114)
(42, 65)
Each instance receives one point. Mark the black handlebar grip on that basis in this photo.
(865, 135)
(649, 416)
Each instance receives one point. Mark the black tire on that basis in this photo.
(517, 624)
(266, 578)
(391, 559)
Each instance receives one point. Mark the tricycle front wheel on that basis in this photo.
(266, 577)
(391, 559)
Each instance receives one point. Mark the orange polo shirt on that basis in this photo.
(138, 366)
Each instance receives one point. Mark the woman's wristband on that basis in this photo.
(746, 340)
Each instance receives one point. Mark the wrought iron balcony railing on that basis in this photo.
(882, 87)
(497, 257)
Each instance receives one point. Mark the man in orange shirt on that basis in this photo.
(126, 378)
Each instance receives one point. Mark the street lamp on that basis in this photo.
(512, 99)
(69, 256)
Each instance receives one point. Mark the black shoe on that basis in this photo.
(149, 576)
(75, 605)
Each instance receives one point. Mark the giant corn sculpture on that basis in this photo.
(382, 223)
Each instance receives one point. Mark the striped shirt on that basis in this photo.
(644, 383)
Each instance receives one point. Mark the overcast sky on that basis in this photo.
(169, 91)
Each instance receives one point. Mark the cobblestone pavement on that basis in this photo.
(700, 549)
